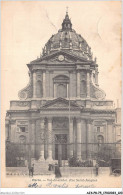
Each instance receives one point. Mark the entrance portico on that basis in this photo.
(60, 126)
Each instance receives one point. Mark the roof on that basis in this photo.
(68, 40)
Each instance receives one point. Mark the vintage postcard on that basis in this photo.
(61, 94)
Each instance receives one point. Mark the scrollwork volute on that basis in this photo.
(26, 92)
(96, 92)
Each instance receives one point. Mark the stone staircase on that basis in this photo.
(41, 168)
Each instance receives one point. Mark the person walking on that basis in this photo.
(97, 168)
(31, 170)
(57, 171)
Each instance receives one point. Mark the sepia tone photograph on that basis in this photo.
(61, 94)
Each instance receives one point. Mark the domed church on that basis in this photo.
(62, 112)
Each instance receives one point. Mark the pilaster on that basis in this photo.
(79, 135)
(44, 84)
(34, 83)
(88, 84)
(42, 139)
(49, 139)
(89, 138)
(71, 142)
(110, 132)
(78, 84)
(32, 138)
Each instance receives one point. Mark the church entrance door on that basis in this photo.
(61, 146)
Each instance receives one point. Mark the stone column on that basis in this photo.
(79, 132)
(68, 90)
(32, 140)
(89, 138)
(71, 137)
(44, 84)
(34, 84)
(110, 131)
(88, 84)
(49, 139)
(54, 90)
(78, 84)
(42, 140)
(83, 138)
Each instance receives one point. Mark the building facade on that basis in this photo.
(62, 112)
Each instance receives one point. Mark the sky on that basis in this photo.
(27, 26)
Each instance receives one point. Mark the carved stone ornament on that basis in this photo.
(22, 95)
(96, 92)
(27, 91)
(23, 104)
(99, 103)
(12, 121)
(60, 58)
(60, 123)
(99, 95)
(39, 77)
(22, 122)
(61, 139)
(59, 105)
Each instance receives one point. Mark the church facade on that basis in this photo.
(62, 112)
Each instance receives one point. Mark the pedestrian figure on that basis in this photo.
(97, 169)
(31, 170)
(50, 167)
(57, 171)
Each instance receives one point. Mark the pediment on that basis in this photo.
(60, 57)
(60, 103)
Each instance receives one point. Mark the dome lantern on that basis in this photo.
(67, 25)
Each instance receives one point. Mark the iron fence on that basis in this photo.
(21, 154)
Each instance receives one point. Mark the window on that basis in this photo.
(22, 129)
(99, 129)
(62, 90)
(61, 86)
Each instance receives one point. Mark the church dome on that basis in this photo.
(68, 40)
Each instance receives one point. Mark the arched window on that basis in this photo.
(39, 89)
(100, 139)
(61, 84)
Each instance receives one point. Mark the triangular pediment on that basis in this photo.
(61, 103)
(61, 57)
